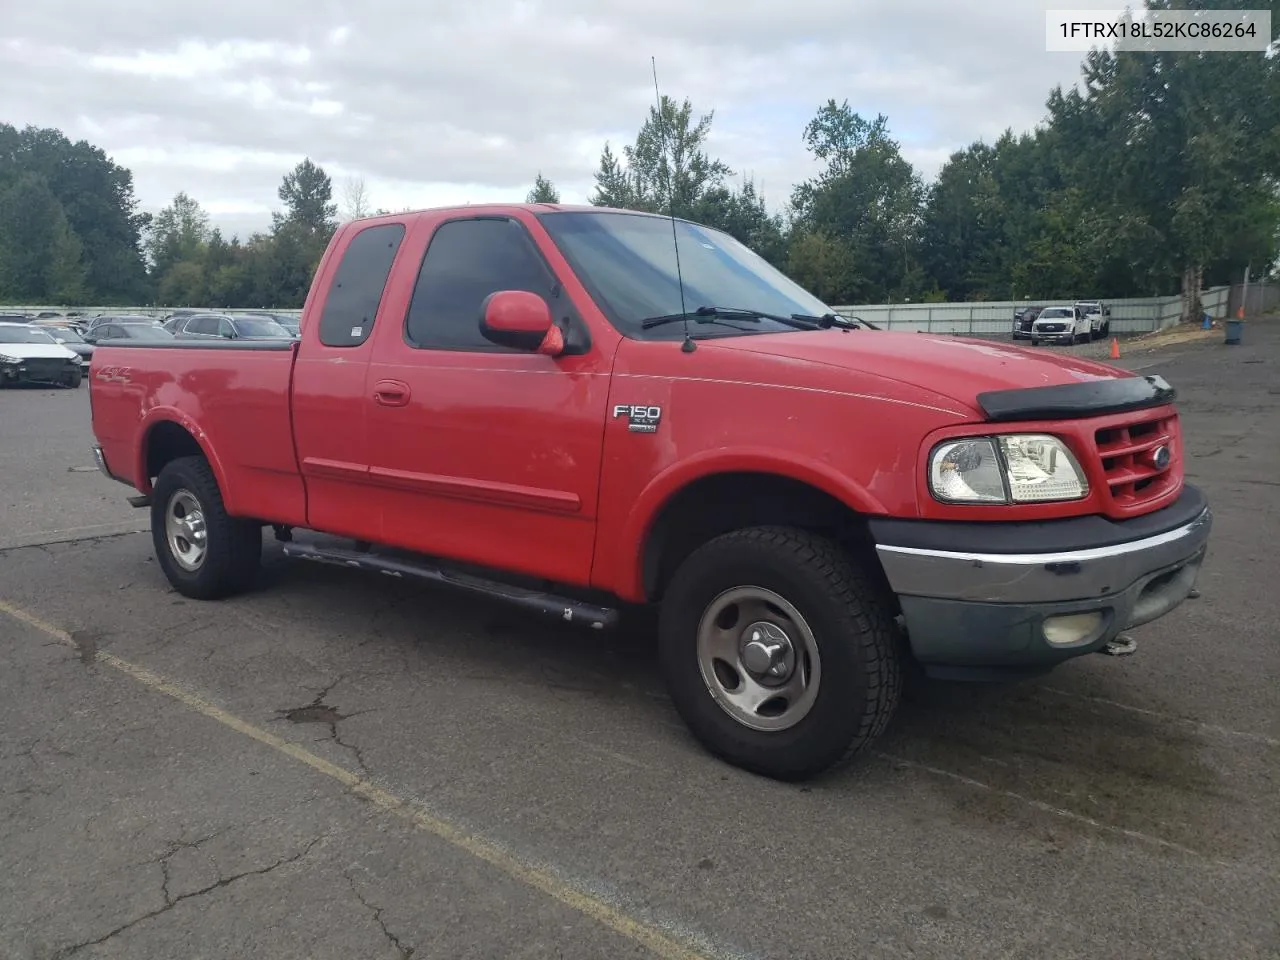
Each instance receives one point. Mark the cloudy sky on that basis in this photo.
(445, 101)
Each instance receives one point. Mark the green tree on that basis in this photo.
(307, 194)
(544, 191)
(667, 169)
(41, 258)
(97, 201)
(177, 234)
(868, 199)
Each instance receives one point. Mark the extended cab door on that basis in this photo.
(329, 396)
(485, 453)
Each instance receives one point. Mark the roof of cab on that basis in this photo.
(502, 208)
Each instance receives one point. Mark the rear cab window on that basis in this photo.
(356, 290)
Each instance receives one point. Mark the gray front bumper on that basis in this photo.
(967, 609)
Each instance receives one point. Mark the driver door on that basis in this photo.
(484, 453)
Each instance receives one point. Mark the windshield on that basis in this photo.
(1054, 312)
(259, 327)
(24, 335)
(63, 333)
(627, 262)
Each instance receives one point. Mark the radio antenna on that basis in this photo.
(688, 346)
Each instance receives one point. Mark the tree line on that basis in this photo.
(1162, 175)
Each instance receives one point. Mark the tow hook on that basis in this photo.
(1122, 646)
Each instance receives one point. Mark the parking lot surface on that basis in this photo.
(342, 766)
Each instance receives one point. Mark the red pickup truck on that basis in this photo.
(585, 411)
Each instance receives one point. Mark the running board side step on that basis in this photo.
(562, 608)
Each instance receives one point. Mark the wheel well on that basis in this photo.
(168, 441)
(723, 502)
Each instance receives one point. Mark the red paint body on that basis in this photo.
(515, 461)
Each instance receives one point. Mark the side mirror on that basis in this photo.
(522, 321)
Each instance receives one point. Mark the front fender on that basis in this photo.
(629, 556)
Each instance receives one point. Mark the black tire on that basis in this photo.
(232, 546)
(1035, 342)
(75, 379)
(859, 672)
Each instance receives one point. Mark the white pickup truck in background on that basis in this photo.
(1098, 315)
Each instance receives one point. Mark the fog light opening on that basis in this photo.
(1071, 628)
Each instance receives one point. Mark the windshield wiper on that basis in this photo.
(829, 320)
(798, 321)
(709, 314)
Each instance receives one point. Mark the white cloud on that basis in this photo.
(460, 102)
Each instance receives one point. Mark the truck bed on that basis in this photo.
(232, 398)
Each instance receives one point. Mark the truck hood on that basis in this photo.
(954, 367)
(35, 351)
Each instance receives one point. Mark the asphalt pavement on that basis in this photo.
(347, 766)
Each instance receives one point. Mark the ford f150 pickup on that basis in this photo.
(588, 411)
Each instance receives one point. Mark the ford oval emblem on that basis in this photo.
(1160, 457)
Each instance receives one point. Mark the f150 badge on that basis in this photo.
(641, 418)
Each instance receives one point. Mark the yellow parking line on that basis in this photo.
(657, 942)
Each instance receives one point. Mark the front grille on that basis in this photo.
(1052, 327)
(47, 368)
(1129, 458)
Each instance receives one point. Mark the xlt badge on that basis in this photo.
(642, 419)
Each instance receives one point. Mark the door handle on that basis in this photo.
(391, 393)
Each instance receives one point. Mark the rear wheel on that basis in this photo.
(780, 654)
(204, 552)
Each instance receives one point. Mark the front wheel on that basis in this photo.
(779, 653)
(205, 552)
(1035, 342)
(74, 379)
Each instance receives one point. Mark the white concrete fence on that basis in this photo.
(994, 318)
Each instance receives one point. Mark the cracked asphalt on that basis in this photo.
(341, 766)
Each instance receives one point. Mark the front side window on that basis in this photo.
(628, 263)
(466, 261)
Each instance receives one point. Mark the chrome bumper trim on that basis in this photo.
(1040, 577)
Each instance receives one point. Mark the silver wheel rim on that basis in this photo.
(184, 528)
(758, 658)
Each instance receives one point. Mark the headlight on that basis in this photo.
(1013, 468)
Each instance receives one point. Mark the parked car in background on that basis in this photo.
(14, 318)
(70, 338)
(30, 355)
(1063, 324)
(102, 318)
(117, 329)
(171, 321)
(229, 326)
(1023, 318)
(1099, 316)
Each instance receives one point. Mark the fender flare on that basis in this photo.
(158, 415)
(629, 560)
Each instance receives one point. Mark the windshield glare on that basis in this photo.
(63, 333)
(628, 263)
(145, 331)
(1050, 314)
(259, 327)
(24, 335)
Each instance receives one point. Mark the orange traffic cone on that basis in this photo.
(1115, 349)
